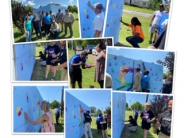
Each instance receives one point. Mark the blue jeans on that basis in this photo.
(134, 41)
(28, 36)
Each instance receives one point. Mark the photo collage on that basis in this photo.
(92, 68)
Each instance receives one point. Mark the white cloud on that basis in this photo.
(30, 3)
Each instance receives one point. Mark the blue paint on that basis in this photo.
(74, 118)
(27, 99)
(87, 16)
(119, 108)
(116, 63)
(113, 25)
(24, 56)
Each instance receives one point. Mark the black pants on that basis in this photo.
(134, 41)
(47, 28)
(68, 25)
(101, 82)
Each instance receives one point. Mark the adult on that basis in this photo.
(132, 126)
(54, 30)
(147, 117)
(100, 64)
(103, 124)
(37, 25)
(52, 54)
(137, 80)
(47, 22)
(137, 32)
(46, 120)
(28, 28)
(87, 125)
(75, 70)
(98, 120)
(57, 115)
(99, 18)
(68, 20)
(155, 24)
(145, 82)
(165, 119)
(63, 61)
(59, 19)
(167, 86)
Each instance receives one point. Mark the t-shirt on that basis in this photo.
(59, 17)
(29, 25)
(75, 60)
(63, 55)
(68, 18)
(48, 20)
(146, 116)
(99, 22)
(52, 52)
(87, 118)
(137, 31)
(158, 17)
(145, 82)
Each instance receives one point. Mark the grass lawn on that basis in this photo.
(39, 70)
(94, 129)
(126, 31)
(88, 74)
(139, 133)
(19, 37)
(59, 128)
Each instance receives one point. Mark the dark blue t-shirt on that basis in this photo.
(75, 60)
(48, 20)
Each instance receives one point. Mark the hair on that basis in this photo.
(131, 117)
(84, 53)
(45, 106)
(135, 21)
(146, 72)
(47, 13)
(138, 69)
(99, 6)
(101, 45)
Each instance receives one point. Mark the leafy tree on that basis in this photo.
(93, 109)
(137, 106)
(154, 4)
(73, 9)
(54, 104)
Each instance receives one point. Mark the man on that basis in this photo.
(68, 20)
(57, 115)
(54, 30)
(99, 19)
(165, 121)
(155, 23)
(87, 124)
(59, 19)
(37, 25)
(75, 68)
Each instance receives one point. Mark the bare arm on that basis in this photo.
(124, 22)
(91, 5)
(41, 120)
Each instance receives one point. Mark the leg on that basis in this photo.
(66, 27)
(145, 133)
(79, 78)
(48, 67)
(72, 79)
(86, 130)
(54, 71)
(89, 130)
(71, 29)
(134, 41)
(101, 82)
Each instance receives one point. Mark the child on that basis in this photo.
(137, 80)
(45, 120)
(145, 82)
(28, 27)
(137, 32)
(99, 19)
(54, 30)
(42, 57)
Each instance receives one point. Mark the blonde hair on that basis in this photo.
(45, 106)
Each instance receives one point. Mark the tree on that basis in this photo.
(168, 62)
(55, 104)
(127, 106)
(93, 110)
(108, 110)
(137, 106)
(154, 4)
(73, 9)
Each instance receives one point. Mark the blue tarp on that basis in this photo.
(24, 57)
(119, 108)
(74, 117)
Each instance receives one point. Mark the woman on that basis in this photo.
(147, 118)
(137, 80)
(45, 120)
(28, 27)
(137, 32)
(100, 64)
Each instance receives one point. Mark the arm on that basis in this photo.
(98, 33)
(41, 120)
(152, 20)
(124, 23)
(25, 26)
(91, 5)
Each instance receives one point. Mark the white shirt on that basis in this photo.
(99, 22)
(158, 16)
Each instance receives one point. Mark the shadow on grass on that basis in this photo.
(138, 134)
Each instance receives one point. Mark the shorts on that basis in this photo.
(155, 28)
(76, 75)
(48, 62)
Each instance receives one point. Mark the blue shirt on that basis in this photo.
(75, 60)
(48, 20)
(145, 82)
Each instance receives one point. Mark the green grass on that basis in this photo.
(19, 37)
(126, 31)
(138, 9)
(88, 74)
(139, 133)
(59, 128)
(39, 71)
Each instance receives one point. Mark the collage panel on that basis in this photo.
(138, 23)
(38, 109)
(87, 113)
(87, 62)
(140, 70)
(37, 20)
(141, 115)
(43, 61)
(92, 17)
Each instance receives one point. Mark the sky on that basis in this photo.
(38, 3)
(50, 93)
(144, 55)
(99, 99)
